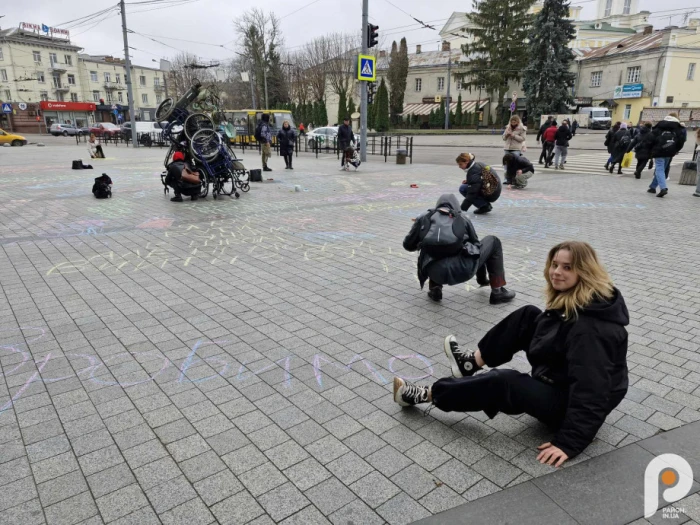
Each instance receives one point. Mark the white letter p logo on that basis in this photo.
(677, 475)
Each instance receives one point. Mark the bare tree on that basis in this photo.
(342, 50)
(315, 64)
(185, 69)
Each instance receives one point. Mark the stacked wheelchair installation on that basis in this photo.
(205, 149)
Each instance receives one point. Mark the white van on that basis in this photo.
(145, 130)
(598, 118)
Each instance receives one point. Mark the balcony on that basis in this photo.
(159, 88)
(114, 86)
(61, 88)
(55, 67)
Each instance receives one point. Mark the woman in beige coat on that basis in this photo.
(514, 137)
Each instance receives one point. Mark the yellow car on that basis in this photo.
(13, 140)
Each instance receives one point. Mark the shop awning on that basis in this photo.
(425, 109)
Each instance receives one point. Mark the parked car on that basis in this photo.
(148, 132)
(12, 139)
(104, 129)
(326, 137)
(65, 130)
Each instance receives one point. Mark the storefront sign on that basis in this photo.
(67, 106)
(628, 91)
(583, 101)
(43, 28)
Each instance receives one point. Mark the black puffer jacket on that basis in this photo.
(286, 138)
(668, 124)
(345, 137)
(518, 163)
(587, 358)
(451, 270)
(563, 136)
(642, 144)
(473, 178)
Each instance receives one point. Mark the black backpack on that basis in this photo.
(258, 132)
(101, 189)
(667, 143)
(442, 232)
(625, 141)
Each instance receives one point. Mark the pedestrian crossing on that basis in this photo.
(594, 164)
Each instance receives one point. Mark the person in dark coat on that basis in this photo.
(518, 170)
(174, 179)
(620, 143)
(669, 139)
(540, 133)
(346, 137)
(642, 144)
(561, 145)
(481, 258)
(574, 127)
(609, 143)
(471, 185)
(286, 137)
(577, 349)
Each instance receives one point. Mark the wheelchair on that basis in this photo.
(224, 170)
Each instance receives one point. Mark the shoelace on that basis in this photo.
(463, 355)
(415, 393)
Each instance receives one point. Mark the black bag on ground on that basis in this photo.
(78, 165)
(444, 235)
(102, 187)
(255, 175)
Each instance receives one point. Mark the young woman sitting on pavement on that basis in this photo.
(577, 349)
(470, 257)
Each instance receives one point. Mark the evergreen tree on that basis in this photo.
(342, 108)
(397, 75)
(548, 79)
(382, 103)
(458, 112)
(371, 113)
(499, 29)
(351, 107)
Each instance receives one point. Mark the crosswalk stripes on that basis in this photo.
(594, 163)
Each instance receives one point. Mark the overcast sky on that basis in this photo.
(210, 22)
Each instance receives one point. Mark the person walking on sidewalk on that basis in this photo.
(549, 137)
(620, 143)
(669, 139)
(544, 127)
(577, 348)
(451, 252)
(471, 188)
(697, 162)
(641, 144)
(286, 138)
(518, 170)
(345, 138)
(561, 145)
(263, 134)
(609, 143)
(514, 137)
(574, 127)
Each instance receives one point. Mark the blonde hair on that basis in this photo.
(594, 282)
(287, 123)
(673, 114)
(515, 117)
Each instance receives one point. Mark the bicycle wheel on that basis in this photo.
(205, 144)
(165, 110)
(196, 122)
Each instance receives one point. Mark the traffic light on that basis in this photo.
(372, 35)
(371, 86)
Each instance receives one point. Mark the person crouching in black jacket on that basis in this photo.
(471, 188)
(577, 349)
(518, 170)
(474, 258)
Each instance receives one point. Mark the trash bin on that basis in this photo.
(689, 173)
(255, 176)
(401, 154)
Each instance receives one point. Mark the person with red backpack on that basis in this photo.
(451, 252)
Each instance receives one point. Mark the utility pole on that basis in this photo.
(448, 101)
(363, 86)
(129, 89)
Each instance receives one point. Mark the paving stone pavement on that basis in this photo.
(230, 361)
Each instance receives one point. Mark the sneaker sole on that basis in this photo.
(398, 383)
(453, 364)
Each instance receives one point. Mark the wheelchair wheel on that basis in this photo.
(205, 144)
(165, 110)
(205, 185)
(227, 183)
(196, 122)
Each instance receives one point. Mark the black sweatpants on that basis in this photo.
(287, 159)
(507, 391)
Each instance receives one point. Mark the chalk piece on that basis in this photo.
(270, 180)
(297, 188)
(414, 185)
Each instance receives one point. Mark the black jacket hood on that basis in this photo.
(613, 310)
(449, 200)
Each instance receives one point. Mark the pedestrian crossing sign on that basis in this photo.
(366, 69)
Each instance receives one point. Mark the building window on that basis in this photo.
(117, 78)
(119, 97)
(627, 6)
(95, 96)
(669, 100)
(3, 75)
(441, 83)
(147, 116)
(684, 105)
(108, 77)
(1, 57)
(691, 71)
(40, 77)
(419, 84)
(144, 98)
(628, 110)
(156, 82)
(608, 7)
(596, 78)
(109, 96)
(159, 99)
(142, 81)
(634, 74)
(74, 97)
(8, 95)
(44, 95)
(56, 81)
(93, 76)
(59, 97)
(53, 59)
(37, 56)
(460, 86)
(68, 59)
(71, 80)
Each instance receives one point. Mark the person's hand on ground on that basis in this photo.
(551, 455)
